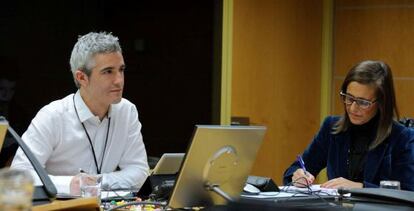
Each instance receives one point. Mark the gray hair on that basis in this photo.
(87, 47)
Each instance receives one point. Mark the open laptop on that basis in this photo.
(216, 165)
(3, 131)
(169, 163)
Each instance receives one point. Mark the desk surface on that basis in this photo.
(316, 203)
(71, 204)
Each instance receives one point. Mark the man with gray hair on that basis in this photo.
(94, 131)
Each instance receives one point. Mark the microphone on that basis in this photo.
(41, 193)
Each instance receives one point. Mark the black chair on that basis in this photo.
(408, 122)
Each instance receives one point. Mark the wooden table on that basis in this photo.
(71, 204)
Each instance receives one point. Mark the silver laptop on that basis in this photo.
(3, 131)
(218, 158)
(169, 163)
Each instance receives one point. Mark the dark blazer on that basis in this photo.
(391, 160)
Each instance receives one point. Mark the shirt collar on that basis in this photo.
(83, 110)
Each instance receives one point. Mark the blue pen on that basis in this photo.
(302, 164)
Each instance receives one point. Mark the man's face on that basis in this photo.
(106, 82)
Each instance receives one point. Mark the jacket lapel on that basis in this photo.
(341, 154)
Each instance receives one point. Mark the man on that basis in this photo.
(95, 130)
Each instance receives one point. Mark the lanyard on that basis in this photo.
(98, 168)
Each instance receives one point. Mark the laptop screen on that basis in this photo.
(3, 131)
(169, 163)
(218, 156)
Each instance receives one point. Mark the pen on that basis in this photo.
(302, 164)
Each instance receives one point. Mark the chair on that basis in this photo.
(408, 122)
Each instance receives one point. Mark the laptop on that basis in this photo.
(3, 131)
(216, 165)
(169, 163)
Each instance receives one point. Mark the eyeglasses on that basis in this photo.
(362, 103)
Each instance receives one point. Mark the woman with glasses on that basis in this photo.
(366, 144)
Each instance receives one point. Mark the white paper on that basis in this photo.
(313, 189)
(107, 194)
(292, 191)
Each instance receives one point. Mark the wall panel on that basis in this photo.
(276, 76)
(379, 30)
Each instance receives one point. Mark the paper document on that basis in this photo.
(109, 194)
(313, 189)
(104, 194)
(292, 191)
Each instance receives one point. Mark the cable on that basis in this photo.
(161, 204)
(118, 196)
(309, 191)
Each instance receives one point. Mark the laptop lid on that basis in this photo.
(220, 157)
(3, 131)
(169, 163)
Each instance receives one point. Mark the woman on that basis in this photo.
(366, 144)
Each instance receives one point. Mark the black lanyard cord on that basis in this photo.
(98, 168)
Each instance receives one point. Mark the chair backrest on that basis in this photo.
(408, 122)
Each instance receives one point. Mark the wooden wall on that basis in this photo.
(276, 76)
(379, 30)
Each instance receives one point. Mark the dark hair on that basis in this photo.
(378, 75)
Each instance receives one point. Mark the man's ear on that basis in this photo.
(81, 77)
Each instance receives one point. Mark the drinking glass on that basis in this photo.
(390, 184)
(90, 186)
(16, 189)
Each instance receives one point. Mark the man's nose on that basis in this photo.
(119, 77)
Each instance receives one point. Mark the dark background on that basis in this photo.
(171, 50)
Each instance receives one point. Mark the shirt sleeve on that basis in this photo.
(40, 138)
(315, 155)
(402, 161)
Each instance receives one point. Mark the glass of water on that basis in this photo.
(390, 184)
(90, 186)
(16, 189)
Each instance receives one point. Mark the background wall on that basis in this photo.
(378, 30)
(277, 65)
(171, 55)
(276, 76)
(168, 50)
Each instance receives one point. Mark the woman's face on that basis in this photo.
(356, 113)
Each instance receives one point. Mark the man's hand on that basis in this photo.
(302, 179)
(79, 180)
(341, 182)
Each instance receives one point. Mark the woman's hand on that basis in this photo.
(302, 179)
(341, 182)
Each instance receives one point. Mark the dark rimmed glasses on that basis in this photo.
(362, 103)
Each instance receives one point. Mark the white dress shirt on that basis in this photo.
(58, 140)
